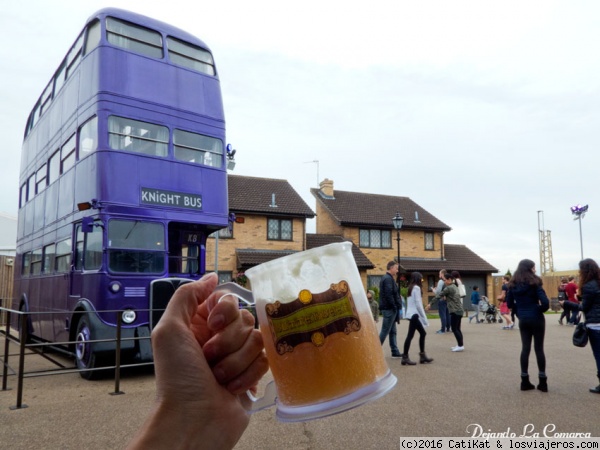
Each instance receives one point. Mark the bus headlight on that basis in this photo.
(114, 287)
(128, 316)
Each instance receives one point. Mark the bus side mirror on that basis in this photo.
(87, 224)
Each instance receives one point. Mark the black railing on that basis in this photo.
(27, 348)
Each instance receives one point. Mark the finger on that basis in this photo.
(236, 363)
(232, 328)
(183, 306)
(248, 380)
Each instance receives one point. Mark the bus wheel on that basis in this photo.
(84, 355)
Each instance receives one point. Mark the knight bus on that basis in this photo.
(123, 177)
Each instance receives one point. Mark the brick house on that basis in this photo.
(366, 220)
(270, 222)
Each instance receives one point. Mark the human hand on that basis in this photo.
(206, 352)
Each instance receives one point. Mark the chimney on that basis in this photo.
(326, 187)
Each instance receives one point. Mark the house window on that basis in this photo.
(429, 241)
(279, 229)
(376, 238)
(373, 280)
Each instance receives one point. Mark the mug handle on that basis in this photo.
(249, 402)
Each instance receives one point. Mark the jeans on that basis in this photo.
(444, 315)
(594, 337)
(455, 321)
(415, 325)
(475, 315)
(388, 327)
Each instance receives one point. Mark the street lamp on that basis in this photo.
(579, 212)
(397, 221)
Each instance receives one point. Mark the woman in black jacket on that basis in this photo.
(589, 288)
(525, 292)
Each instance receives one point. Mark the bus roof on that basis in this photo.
(148, 22)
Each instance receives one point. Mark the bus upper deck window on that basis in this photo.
(197, 148)
(134, 37)
(190, 56)
(136, 136)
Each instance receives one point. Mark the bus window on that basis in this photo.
(31, 187)
(59, 78)
(40, 179)
(93, 37)
(190, 56)
(26, 267)
(197, 148)
(134, 37)
(74, 56)
(88, 137)
(48, 265)
(46, 98)
(23, 195)
(63, 256)
(92, 258)
(68, 155)
(54, 167)
(79, 243)
(135, 246)
(36, 262)
(136, 136)
(190, 255)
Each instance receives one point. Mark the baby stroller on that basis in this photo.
(491, 313)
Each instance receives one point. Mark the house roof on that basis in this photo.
(319, 240)
(456, 257)
(254, 195)
(373, 210)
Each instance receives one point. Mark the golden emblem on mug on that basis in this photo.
(318, 339)
(305, 296)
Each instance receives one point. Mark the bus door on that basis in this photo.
(87, 256)
(186, 251)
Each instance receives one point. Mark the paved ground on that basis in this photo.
(479, 386)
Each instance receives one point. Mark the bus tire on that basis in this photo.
(84, 352)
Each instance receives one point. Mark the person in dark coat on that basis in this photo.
(525, 292)
(589, 288)
(390, 306)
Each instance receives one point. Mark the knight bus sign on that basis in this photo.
(169, 198)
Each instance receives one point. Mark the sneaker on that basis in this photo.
(396, 355)
(511, 326)
(506, 327)
(458, 348)
(440, 332)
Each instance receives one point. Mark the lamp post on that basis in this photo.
(579, 212)
(397, 221)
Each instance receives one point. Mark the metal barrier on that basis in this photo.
(38, 348)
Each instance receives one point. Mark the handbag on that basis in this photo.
(580, 335)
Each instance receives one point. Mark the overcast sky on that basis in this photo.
(482, 112)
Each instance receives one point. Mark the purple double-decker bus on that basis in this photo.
(123, 176)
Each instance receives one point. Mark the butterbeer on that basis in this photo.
(343, 364)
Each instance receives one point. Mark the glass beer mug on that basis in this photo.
(319, 335)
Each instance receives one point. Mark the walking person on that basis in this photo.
(589, 287)
(475, 299)
(562, 296)
(455, 307)
(389, 305)
(418, 320)
(525, 292)
(571, 291)
(442, 305)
